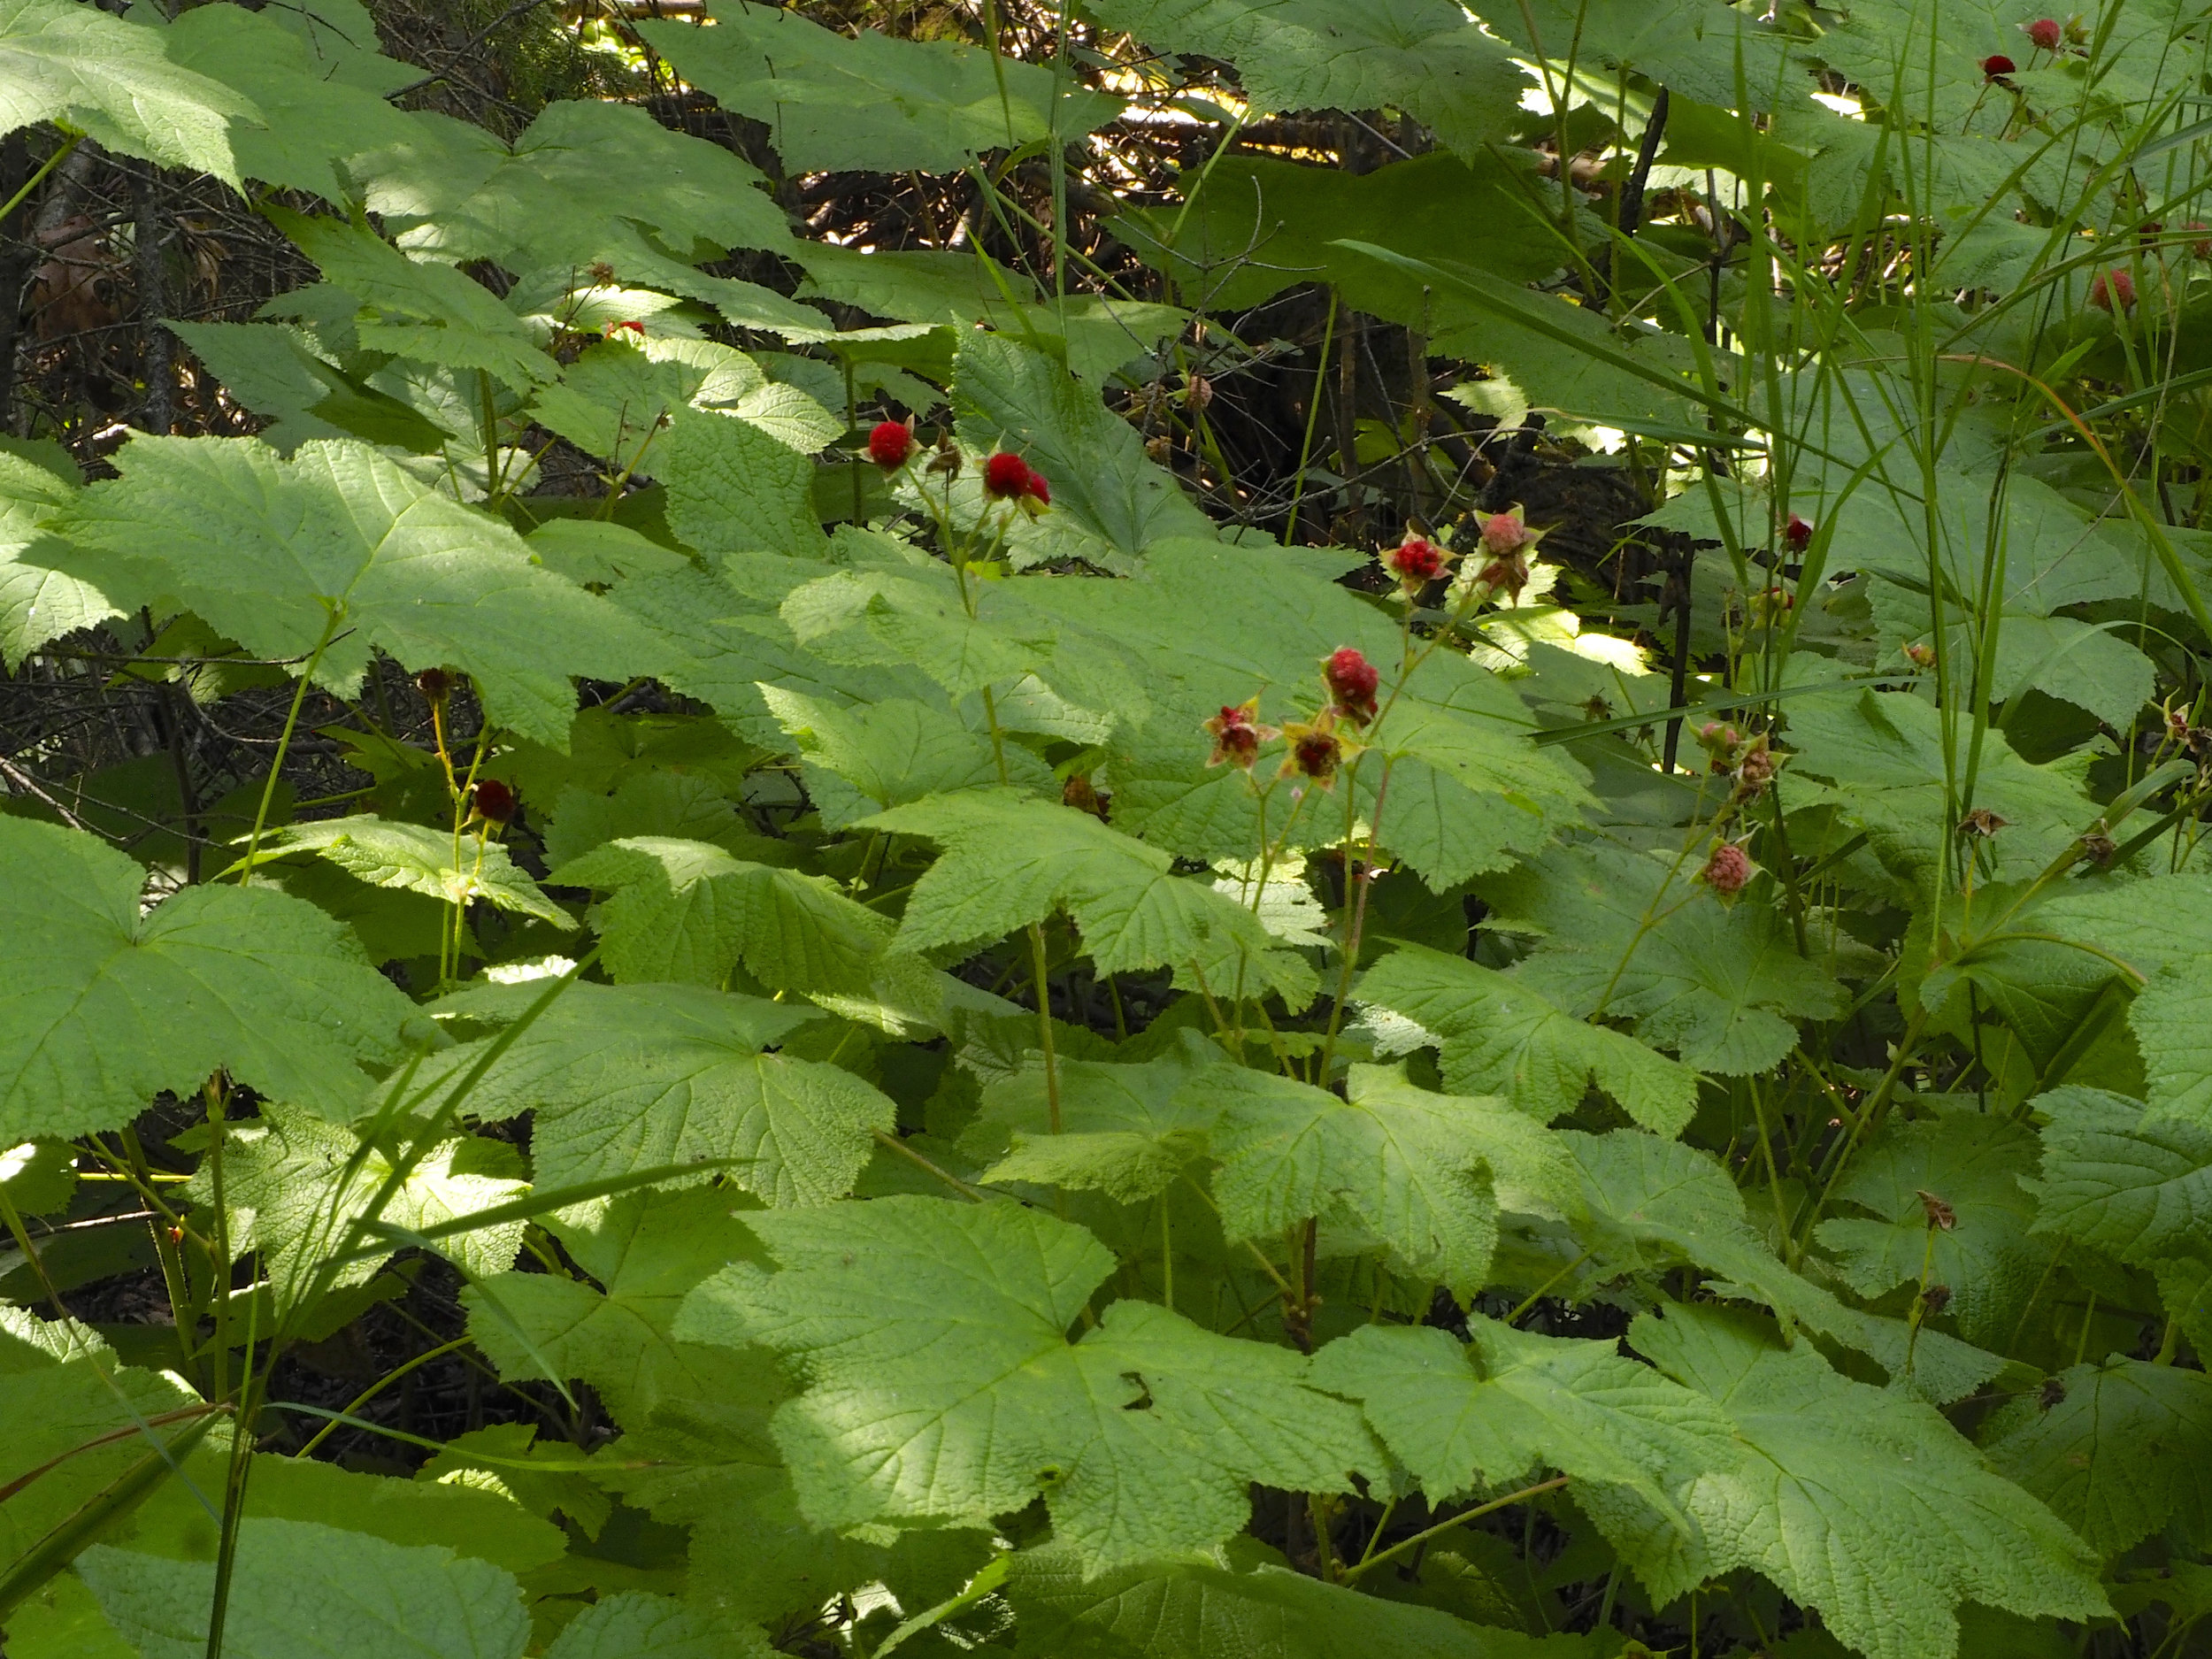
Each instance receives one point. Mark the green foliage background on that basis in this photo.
(886, 1063)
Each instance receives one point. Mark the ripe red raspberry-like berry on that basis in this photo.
(630, 326)
(1005, 476)
(1036, 489)
(1352, 681)
(495, 801)
(1996, 66)
(2111, 287)
(1415, 561)
(435, 684)
(1797, 533)
(2046, 34)
(889, 443)
(1727, 869)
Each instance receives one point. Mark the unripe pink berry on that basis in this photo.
(1503, 534)
(2046, 34)
(1727, 869)
(2110, 286)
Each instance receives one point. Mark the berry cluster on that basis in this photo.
(1317, 749)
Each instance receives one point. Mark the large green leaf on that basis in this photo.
(1860, 1504)
(416, 858)
(61, 61)
(412, 309)
(1008, 862)
(634, 1626)
(1971, 1162)
(629, 1078)
(1501, 1037)
(1629, 935)
(1426, 57)
(646, 1251)
(303, 1587)
(940, 1387)
(294, 1185)
(2136, 1188)
(1242, 1599)
(104, 1005)
(690, 911)
(269, 550)
(565, 194)
(2118, 1450)
(315, 118)
(1484, 1412)
(1424, 1173)
(1653, 1204)
(867, 100)
(63, 1402)
(38, 603)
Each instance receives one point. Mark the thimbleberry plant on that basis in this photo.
(1523, 974)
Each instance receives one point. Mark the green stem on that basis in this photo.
(284, 743)
(39, 178)
(1405, 1546)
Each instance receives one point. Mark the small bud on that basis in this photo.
(1939, 1214)
(1920, 654)
(1981, 822)
(1755, 770)
(600, 271)
(1727, 869)
(1158, 449)
(1933, 1300)
(1796, 534)
(2110, 287)
(2046, 34)
(1198, 391)
(1237, 734)
(1996, 66)
(889, 444)
(1080, 792)
(1415, 562)
(1352, 681)
(1005, 476)
(2051, 1395)
(2099, 849)
(495, 801)
(435, 684)
(948, 461)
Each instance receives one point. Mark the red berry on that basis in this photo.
(1797, 533)
(890, 444)
(2046, 34)
(2110, 285)
(2202, 246)
(1996, 65)
(1352, 681)
(1035, 488)
(1727, 869)
(1005, 476)
(435, 684)
(1415, 560)
(495, 801)
(629, 326)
